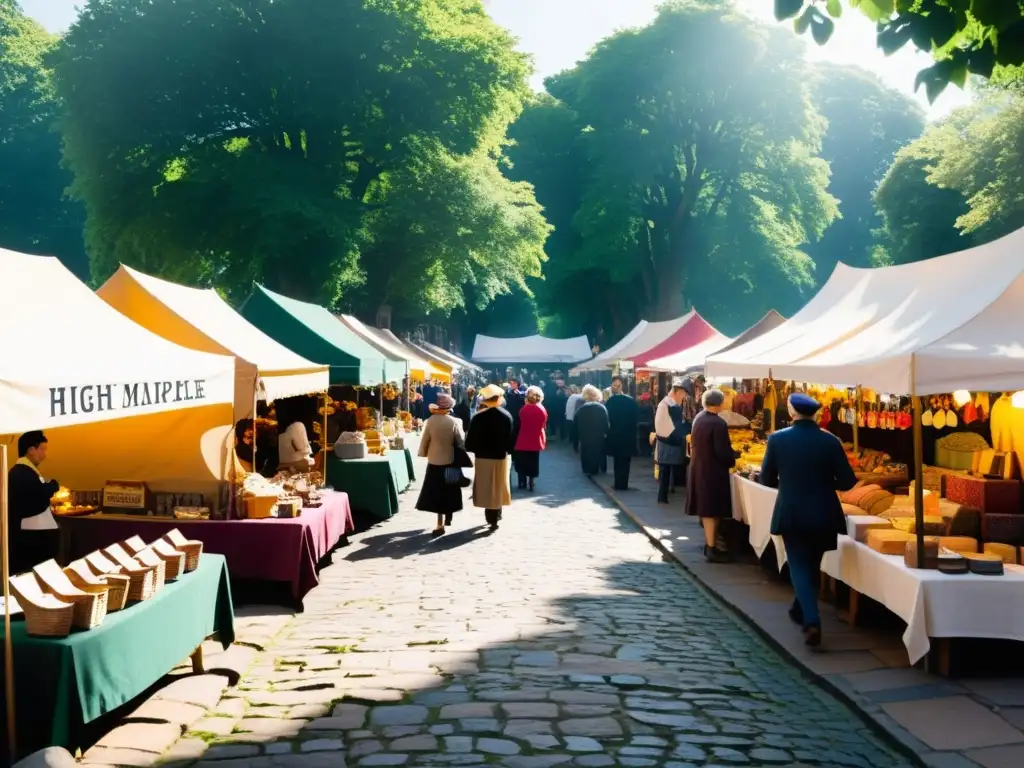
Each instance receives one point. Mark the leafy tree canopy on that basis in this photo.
(300, 144)
(867, 123)
(958, 185)
(693, 153)
(964, 36)
(35, 217)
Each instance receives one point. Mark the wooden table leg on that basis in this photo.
(854, 606)
(197, 661)
(940, 657)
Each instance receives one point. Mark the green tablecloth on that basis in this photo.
(373, 483)
(62, 684)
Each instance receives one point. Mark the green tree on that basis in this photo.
(225, 141)
(964, 36)
(867, 123)
(701, 172)
(958, 185)
(35, 215)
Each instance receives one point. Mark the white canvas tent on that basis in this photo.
(952, 322)
(530, 349)
(645, 336)
(691, 358)
(81, 361)
(201, 320)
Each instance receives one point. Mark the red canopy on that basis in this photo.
(692, 332)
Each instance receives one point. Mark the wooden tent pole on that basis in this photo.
(858, 403)
(8, 641)
(918, 463)
(323, 435)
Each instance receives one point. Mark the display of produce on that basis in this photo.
(956, 450)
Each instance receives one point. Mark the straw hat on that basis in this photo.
(491, 391)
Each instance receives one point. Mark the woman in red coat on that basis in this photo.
(532, 439)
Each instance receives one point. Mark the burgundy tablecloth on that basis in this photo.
(265, 550)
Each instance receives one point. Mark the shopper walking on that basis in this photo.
(709, 492)
(807, 465)
(591, 425)
(670, 431)
(442, 489)
(574, 401)
(532, 438)
(490, 441)
(621, 441)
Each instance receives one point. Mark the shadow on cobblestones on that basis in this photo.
(563, 639)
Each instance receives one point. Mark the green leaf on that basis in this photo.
(959, 75)
(834, 8)
(876, 10)
(995, 13)
(893, 36)
(822, 28)
(803, 21)
(787, 9)
(982, 60)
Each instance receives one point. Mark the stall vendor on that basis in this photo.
(33, 528)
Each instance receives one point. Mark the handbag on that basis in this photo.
(453, 476)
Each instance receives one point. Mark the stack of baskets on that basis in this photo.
(56, 600)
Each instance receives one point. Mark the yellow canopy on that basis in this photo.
(201, 320)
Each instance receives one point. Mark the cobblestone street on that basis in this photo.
(562, 638)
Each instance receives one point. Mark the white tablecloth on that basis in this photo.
(753, 504)
(933, 604)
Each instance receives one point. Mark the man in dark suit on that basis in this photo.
(808, 466)
(33, 529)
(620, 443)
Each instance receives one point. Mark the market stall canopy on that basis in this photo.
(530, 349)
(115, 400)
(77, 360)
(770, 321)
(314, 333)
(201, 320)
(694, 332)
(412, 366)
(693, 359)
(608, 357)
(438, 368)
(947, 323)
(650, 336)
(446, 356)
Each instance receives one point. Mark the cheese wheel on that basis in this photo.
(868, 500)
(926, 419)
(939, 420)
(852, 509)
(961, 544)
(1006, 552)
(951, 419)
(854, 495)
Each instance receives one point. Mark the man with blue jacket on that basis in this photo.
(808, 466)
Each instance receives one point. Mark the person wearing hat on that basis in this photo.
(490, 441)
(709, 490)
(442, 491)
(807, 465)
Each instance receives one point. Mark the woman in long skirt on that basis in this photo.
(531, 439)
(592, 424)
(442, 432)
(490, 441)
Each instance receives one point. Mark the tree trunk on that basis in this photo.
(671, 303)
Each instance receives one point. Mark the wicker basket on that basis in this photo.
(150, 558)
(174, 560)
(191, 549)
(45, 615)
(142, 584)
(90, 605)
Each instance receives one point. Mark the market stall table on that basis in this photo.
(372, 483)
(64, 683)
(933, 604)
(272, 549)
(754, 504)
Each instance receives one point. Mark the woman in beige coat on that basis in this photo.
(490, 440)
(441, 434)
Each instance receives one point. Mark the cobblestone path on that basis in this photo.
(562, 639)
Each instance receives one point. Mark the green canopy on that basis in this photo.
(314, 333)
